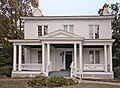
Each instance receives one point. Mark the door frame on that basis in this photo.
(65, 58)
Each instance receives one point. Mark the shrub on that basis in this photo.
(6, 71)
(117, 72)
(38, 82)
(69, 82)
(41, 81)
(55, 81)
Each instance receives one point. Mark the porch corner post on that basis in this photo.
(48, 58)
(14, 57)
(20, 58)
(110, 47)
(43, 58)
(105, 56)
(75, 55)
(80, 57)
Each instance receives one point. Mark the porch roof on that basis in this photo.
(25, 41)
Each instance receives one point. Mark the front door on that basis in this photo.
(68, 59)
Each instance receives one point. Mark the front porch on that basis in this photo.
(55, 59)
(55, 53)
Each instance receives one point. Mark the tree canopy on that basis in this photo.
(11, 27)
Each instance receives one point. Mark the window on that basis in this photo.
(42, 30)
(91, 56)
(97, 57)
(68, 28)
(39, 56)
(39, 30)
(93, 31)
(94, 57)
(96, 31)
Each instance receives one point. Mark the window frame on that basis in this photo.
(94, 60)
(42, 30)
(39, 58)
(95, 34)
(68, 28)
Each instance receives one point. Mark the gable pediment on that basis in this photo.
(60, 34)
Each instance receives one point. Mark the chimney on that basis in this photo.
(105, 9)
(37, 11)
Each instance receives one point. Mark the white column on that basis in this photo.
(43, 57)
(75, 55)
(48, 58)
(105, 57)
(48, 53)
(110, 47)
(42, 30)
(20, 58)
(14, 57)
(80, 57)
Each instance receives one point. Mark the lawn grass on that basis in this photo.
(13, 84)
(23, 84)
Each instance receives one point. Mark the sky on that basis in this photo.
(72, 7)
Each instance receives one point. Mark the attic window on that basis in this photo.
(68, 28)
(42, 30)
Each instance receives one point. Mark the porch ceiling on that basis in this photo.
(93, 46)
(63, 45)
(33, 46)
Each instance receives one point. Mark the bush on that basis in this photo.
(55, 81)
(41, 81)
(38, 82)
(6, 71)
(117, 72)
(69, 82)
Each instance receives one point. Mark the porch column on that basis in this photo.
(80, 57)
(75, 55)
(105, 56)
(48, 53)
(20, 58)
(48, 58)
(110, 47)
(14, 57)
(43, 57)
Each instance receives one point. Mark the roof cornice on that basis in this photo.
(88, 17)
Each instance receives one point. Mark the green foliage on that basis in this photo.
(55, 82)
(117, 72)
(38, 82)
(5, 71)
(41, 81)
(11, 27)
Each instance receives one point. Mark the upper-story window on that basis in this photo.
(42, 30)
(93, 31)
(68, 28)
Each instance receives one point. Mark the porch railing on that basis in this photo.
(31, 66)
(94, 67)
(75, 71)
(48, 68)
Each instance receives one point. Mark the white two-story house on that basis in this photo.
(79, 45)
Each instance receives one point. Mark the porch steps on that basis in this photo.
(59, 73)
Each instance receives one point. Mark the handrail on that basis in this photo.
(48, 68)
(74, 70)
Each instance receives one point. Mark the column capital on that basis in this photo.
(14, 44)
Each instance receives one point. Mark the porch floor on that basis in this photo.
(65, 73)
